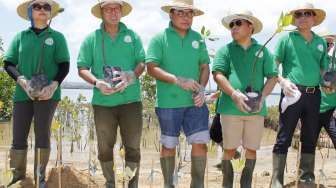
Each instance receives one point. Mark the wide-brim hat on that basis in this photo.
(22, 9)
(327, 34)
(243, 15)
(182, 4)
(320, 14)
(126, 8)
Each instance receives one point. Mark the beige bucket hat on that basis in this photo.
(126, 8)
(22, 9)
(325, 33)
(320, 14)
(182, 4)
(244, 15)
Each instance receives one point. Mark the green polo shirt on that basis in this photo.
(328, 101)
(236, 63)
(25, 52)
(302, 60)
(125, 51)
(181, 56)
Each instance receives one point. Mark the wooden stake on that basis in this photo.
(207, 174)
(38, 168)
(152, 179)
(298, 166)
(59, 157)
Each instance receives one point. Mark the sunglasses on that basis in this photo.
(306, 14)
(181, 13)
(237, 23)
(39, 7)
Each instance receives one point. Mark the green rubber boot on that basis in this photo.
(168, 167)
(18, 162)
(198, 165)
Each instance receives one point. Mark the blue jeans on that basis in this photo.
(192, 120)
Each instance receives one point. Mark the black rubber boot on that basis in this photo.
(227, 170)
(247, 173)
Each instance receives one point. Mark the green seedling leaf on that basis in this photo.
(203, 30)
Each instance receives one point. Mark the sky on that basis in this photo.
(147, 19)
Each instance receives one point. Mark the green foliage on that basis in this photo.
(284, 21)
(7, 90)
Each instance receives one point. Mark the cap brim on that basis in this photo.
(319, 18)
(167, 8)
(22, 9)
(126, 8)
(257, 24)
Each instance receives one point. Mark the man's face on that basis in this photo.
(241, 29)
(41, 12)
(304, 19)
(182, 19)
(330, 43)
(112, 13)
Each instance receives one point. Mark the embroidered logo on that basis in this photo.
(49, 41)
(320, 47)
(195, 44)
(128, 39)
(260, 55)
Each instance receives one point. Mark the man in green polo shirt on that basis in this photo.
(111, 58)
(37, 52)
(303, 56)
(178, 60)
(235, 65)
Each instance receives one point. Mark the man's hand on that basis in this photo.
(188, 84)
(288, 87)
(48, 91)
(239, 98)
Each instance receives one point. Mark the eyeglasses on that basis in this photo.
(181, 13)
(237, 23)
(330, 44)
(305, 14)
(38, 7)
(110, 10)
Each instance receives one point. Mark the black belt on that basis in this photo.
(308, 89)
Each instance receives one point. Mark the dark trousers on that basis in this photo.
(128, 117)
(329, 124)
(307, 110)
(23, 114)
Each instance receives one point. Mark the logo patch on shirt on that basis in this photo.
(320, 47)
(260, 55)
(49, 41)
(128, 39)
(195, 44)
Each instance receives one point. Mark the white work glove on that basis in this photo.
(23, 82)
(289, 100)
(127, 78)
(288, 87)
(48, 91)
(188, 84)
(239, 98)
(104, 87)
(199, 97)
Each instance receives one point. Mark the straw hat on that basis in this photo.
(182, 4)
(320, 14)
(22, 9)
(126, 8)
(243, 15)
(325, 33)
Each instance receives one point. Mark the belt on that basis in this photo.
(308, 89)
